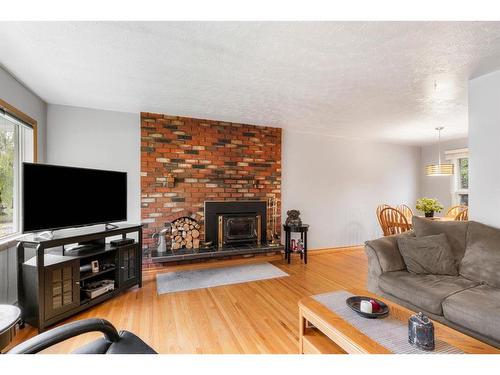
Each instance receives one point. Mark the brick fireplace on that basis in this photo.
(186, 162)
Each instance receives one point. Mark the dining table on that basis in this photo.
(436, 218)
(439, 218)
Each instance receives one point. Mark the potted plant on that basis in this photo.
(428, 206)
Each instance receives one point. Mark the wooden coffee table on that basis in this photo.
(321, 331)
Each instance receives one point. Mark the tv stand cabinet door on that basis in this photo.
(62, 288)
(128, 260)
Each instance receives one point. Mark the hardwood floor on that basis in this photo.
(254, 317)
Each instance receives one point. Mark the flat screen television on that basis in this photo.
(56, 197)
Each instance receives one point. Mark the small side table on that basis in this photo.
(9, 316)
(302, 229)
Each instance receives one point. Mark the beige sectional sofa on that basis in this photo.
(469, 301)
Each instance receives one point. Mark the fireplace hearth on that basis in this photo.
(234, 228)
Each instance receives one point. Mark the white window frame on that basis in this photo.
(20, 148)
(455, 189)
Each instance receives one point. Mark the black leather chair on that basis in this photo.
(113, 342)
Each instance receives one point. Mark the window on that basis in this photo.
(17, 144)
(460, 181)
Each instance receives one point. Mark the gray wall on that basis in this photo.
(484, 146)
(337, 183)
(92, 138)
(438, 187)
(17, 95)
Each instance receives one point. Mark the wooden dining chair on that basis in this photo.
(378, 211)
(463, 215)
(455, 210)
(406, 210)
(393, 221)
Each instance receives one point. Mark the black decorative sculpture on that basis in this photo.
(293, 218)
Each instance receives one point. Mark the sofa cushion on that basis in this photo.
(428, 255)
(476, 309)
(456, 232)
(481, 261)
(425, 291)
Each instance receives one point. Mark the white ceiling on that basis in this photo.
(372, 80)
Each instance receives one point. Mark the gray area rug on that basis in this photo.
(205, 278)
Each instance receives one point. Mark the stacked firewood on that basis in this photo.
(185, 233)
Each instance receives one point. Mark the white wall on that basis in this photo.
(18, 96)
(438, 187)
(83, 137)
(484, 148)
(337, 183)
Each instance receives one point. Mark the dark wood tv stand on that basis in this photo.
(50, 284)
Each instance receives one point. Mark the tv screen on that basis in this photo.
(56, 197)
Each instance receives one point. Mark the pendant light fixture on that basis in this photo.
(439, 169)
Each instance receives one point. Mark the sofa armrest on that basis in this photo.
(386, 252)
(383, 256)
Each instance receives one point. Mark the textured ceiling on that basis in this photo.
(372, 80)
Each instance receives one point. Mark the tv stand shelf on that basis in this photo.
(50, 284)
(90, 275)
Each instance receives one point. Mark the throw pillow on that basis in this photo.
(429, 255)
(456, 232)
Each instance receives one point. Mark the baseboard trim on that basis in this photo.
(328, 250)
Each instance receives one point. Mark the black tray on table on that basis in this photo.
(355, 301)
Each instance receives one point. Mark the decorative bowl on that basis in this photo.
(355, 301)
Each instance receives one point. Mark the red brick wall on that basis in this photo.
(210, 160)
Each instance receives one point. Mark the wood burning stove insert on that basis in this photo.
(235, 223)
(238, 229)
